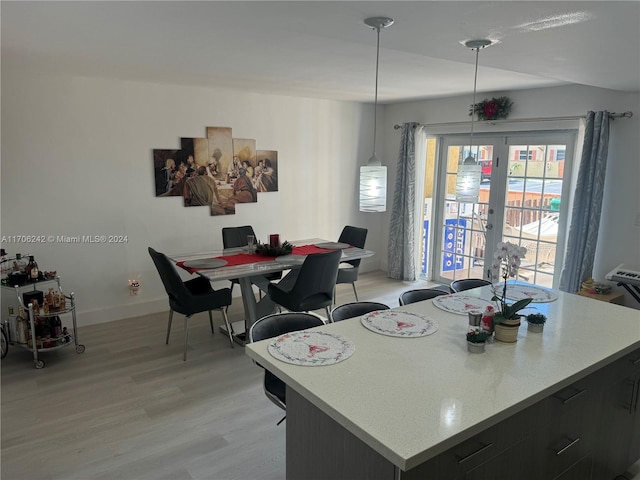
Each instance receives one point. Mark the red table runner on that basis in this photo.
(245, 258)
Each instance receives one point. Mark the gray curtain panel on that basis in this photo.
(401, 252)
(587, 206)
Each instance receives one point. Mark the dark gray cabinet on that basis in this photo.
(618, 444)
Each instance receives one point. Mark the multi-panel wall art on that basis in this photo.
(218, 171)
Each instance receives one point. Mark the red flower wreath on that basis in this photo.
(494, 109)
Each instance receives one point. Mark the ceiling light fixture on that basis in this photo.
(373, 176)
(469, 170)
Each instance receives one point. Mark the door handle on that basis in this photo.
(489, 226)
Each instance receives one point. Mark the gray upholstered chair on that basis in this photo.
(419, 295)
(468, 284)
(190, 297)
(233, 237)
(311, 286)
(273, 326)
(348, 271)
(355, 309)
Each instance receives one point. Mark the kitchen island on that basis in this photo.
(425, 408)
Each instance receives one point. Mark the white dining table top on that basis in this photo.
(260, 267)
(413, 398)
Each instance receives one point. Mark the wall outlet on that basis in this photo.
(637, 222)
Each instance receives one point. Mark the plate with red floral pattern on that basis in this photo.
(311, 348)
(520, 291)
(395, 323)
(461, 304)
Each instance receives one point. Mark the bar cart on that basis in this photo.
(61, 340)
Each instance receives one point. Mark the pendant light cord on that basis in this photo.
(375, 103)
(473, 107)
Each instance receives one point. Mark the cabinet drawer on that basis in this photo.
(562, 410)
(484, 446)
(557, 446)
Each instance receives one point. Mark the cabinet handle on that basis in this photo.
(473, 454)
(567, 447)
(636, 361)
(635, 404)
(573, 397)
(633, 400)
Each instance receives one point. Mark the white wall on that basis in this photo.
(77, 160)
(619, 236)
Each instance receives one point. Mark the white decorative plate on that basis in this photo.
(399, 324)
(332, 245)
(291, 259)
(311, 348)
(205, 263)
(535, 293)
(461, 304)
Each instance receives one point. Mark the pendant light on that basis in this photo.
(373, 176)
(469, 170)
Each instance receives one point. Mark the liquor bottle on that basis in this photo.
(19, 265)
(22, 326)
(32, 269)
(56, 326)
(13, 325)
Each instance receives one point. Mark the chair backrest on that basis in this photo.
(355, 236)
(172, 282)
(279, 323)
(468, 284)
(420, 294)
(355, 309)
(233, 237)
(316, 279)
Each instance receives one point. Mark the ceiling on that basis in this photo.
(322, 49)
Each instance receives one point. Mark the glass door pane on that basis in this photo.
(533, 204)
(461, 243)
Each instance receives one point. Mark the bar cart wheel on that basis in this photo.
(38, 364)
(80, 349)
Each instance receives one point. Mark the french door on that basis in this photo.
(523, 181)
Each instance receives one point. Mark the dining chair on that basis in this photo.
(468, 284)
(420, 294)
(355, 309)
(272, 326)
(233, 237)
(348, 271)
(190, 297)
(311, 286)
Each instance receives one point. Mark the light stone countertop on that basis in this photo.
(413, 398)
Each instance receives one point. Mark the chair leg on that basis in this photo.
(328, 314)
(353, 284)
(186, 336)
(229, 327)
(211, 321)
(231, 288)
(169, 326)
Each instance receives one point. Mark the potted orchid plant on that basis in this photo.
(506, 261)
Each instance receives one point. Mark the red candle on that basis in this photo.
(274, 240)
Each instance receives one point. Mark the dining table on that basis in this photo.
(395, 393)
(250, 268)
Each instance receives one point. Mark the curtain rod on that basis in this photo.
(627, 114)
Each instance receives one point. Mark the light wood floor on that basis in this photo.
(130, 408)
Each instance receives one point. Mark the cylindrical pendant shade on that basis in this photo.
(468, 183)
(373, 188)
